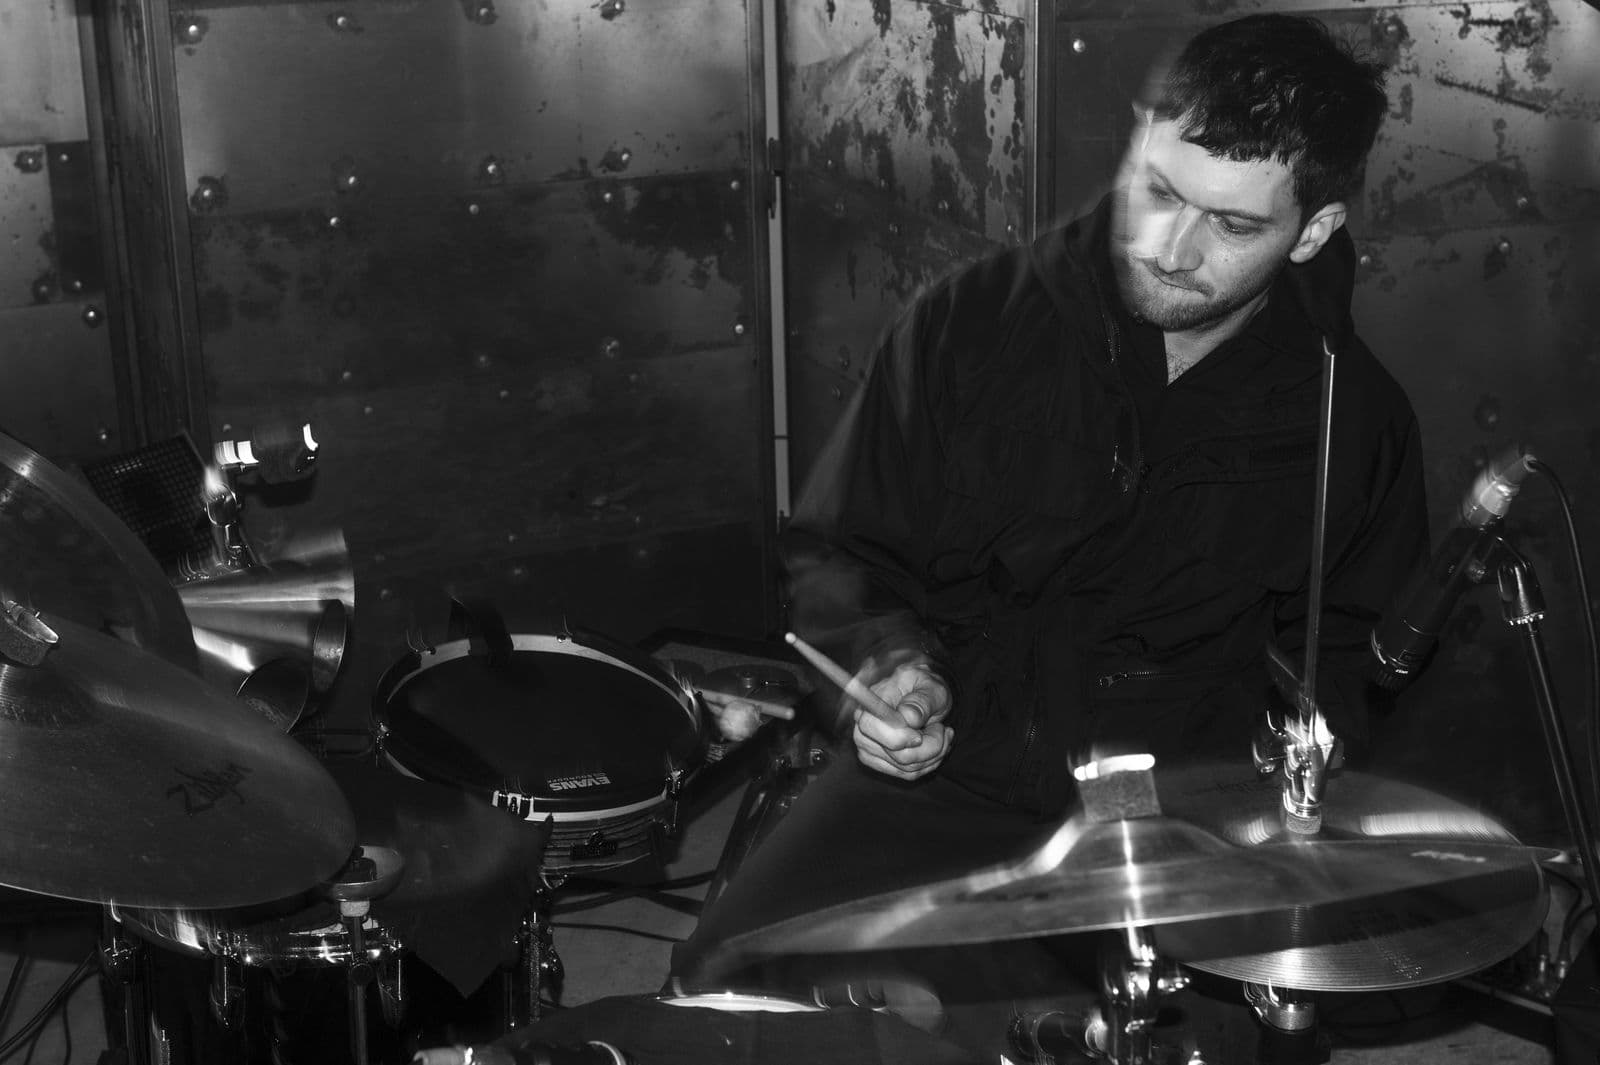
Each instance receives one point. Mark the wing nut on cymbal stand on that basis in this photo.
(24, 637)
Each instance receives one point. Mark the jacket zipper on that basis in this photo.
(1111, 680)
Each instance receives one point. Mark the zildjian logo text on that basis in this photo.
(201, 791)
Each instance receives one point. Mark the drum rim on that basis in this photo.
(632, 796)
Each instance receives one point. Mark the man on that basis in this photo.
(1071, 506)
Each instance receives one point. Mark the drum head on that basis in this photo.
(571, 726)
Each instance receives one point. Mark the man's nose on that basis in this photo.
(1180, 249)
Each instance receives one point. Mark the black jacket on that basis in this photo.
(1098, 564)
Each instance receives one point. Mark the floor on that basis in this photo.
(622, 948)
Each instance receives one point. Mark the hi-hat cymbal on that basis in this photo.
(63, 552)
(1216, 854)
(1372, 943)
(128, 780)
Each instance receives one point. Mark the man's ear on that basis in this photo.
(1315, 233)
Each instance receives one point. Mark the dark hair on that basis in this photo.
(1279, 87)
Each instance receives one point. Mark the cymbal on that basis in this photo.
(63, 552)
(128, 780)
(1217, 854)
(452, 843)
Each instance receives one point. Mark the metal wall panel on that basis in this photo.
(907, 131)
(287, 104)
(501, 255)
(51, 308)
(1478, 230)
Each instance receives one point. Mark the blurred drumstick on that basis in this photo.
(851, 685)
(760, 706)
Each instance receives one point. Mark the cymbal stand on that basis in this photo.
(1133, 981)
(1522, 605)
(538, 965)
(1304, 750)
(1289, 1017)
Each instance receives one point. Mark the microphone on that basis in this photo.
(1405, 638)
(279, 453)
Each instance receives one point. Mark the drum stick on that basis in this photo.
(849, 684)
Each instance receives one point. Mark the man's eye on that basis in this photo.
(1159, 193)
(1234, 229)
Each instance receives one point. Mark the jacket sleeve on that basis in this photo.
(1366, 566)
(857, 551)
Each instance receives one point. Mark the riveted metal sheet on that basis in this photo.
(557, 368)
(923, 101)
(60, 396)
(283, 104)
(1495, 117)
(27, 274)
(41, 73)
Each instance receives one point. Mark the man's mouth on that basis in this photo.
(1169, 279)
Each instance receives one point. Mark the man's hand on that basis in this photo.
(916, 746)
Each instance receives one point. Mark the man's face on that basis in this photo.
(1198, 238)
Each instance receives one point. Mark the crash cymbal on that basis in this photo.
(128, 780)
(1148, 871)
(63, 552)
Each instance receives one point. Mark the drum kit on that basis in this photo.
(149, 770)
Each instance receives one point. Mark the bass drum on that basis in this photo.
(593, 737)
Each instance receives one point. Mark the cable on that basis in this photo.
(619, 928)
(9, 997)
(1593, 678)
(79, 975)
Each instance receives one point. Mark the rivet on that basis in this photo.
(73, 285)
(473, 209)
(343, 23)
(490, 169)
(625, 156)
(505, 393)
(43, 290)
(1079, 45)
(209, 194)
(633, 379)
(30, 160)
(92, 316)
(610, 9)
(227, 427)
(607, 197)
(191, 30)
(63, 158)
(367, 409)
(844, 362)
(385, 593)
(481, 12)
(519, 572)
(511, 538)
(103, 435)
(346, 376)
(1523, 202)
(1503, 246)
(734, 185)
(894, 229)
(482, 359)
(738, 329)
(334, 221)
(610, 347)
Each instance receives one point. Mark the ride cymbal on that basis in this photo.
(128, 780)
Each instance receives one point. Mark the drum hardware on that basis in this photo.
(539, 970)
(1289, 1019)
(371, 873)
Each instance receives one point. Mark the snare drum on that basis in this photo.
(591, 736)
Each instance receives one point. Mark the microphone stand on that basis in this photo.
(1522, 605)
